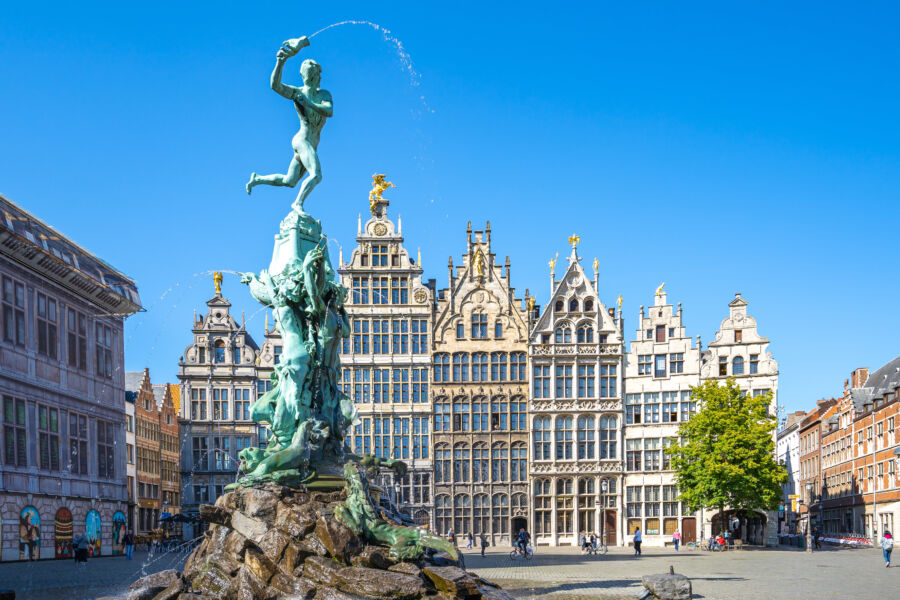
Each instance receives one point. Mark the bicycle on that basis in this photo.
(528, 553)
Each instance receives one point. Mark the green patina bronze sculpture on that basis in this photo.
(360, 515)
(306, 412)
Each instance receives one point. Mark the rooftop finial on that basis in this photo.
(377, 204)
(217, 281)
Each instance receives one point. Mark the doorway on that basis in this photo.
(610, 527)
(688, 530)
(517, 524)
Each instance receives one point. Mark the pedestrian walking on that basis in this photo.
(484, 543)
(469, 540)
(887, 545)
(637, 541)
(816, 536)
(81, 549)
(676, 537)
(129, 544)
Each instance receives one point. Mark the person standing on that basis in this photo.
(676, 537)
(484, 543)
(816, 537)
(469, 541)
(887, 546)
(637, 541)
(129, 544)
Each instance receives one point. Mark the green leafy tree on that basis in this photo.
(727, 453)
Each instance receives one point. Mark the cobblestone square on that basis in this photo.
(752, 574)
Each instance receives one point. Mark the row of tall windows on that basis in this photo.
(221, 456)
(574, 438)
(480, 414)
(659, 407)
(737, 365)
(565, 498)
(387, 336)
(479, 366)
(479, 464)
(574, 306)
(567, 384)
(222, 401)
(391, 437)
(655, 364)
(383, 385)
(48, 325)
(379, 290)
(464, 514)
(652, 502)
(648, 454)
(479, 328)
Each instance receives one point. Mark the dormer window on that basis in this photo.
(202, 356)
(237, 356)
(558, 307)
(588, 305)
(738, 336)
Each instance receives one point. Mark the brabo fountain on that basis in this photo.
(303, 521)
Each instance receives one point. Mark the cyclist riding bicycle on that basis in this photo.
(522, 540)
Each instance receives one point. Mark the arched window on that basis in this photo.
(219, 348)
(585, 334)
(558, 335)
(462, 514)
(480, 416)
(518, 462)
(461, 413)
(519, 503)
(482, 511)
(442, 414)
(585, 437)
(480, 366)
(541, 436)
(543, 507)
(443, 514)
(573, 305)
(587, 503)
(737, 365)
(499, 414)
(498, 366)
(607, 437)
(517, 367)
(608, 492)
(461, 463)
(421, 517)
(500, 513)
(442, 463)
(460, 366)
(564, 438)
(564, 506)
(588, 305)
(441, 368)
(567, 336)
(480, 463)
(558, 307)
(499, 463)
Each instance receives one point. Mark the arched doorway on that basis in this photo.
(62, 533)
(748, 526)
(29, 534)
(92, 530)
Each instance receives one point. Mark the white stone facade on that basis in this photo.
(662, 366)
(575, 403)
(218, 384)
(386, 361)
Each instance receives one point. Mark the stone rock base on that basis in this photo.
(276, 543)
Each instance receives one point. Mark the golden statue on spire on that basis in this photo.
(596, 264)
(659, 290)
(379, 186)
(530, 303)
(619, 303)
(217, 281)
(574, 240)
(552, 262)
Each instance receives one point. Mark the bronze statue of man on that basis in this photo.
(313, 106)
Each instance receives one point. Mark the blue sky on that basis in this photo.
(749, 148)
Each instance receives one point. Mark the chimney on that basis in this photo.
(859, 377)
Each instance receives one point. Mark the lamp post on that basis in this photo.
(604, 485)
(809, 489)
